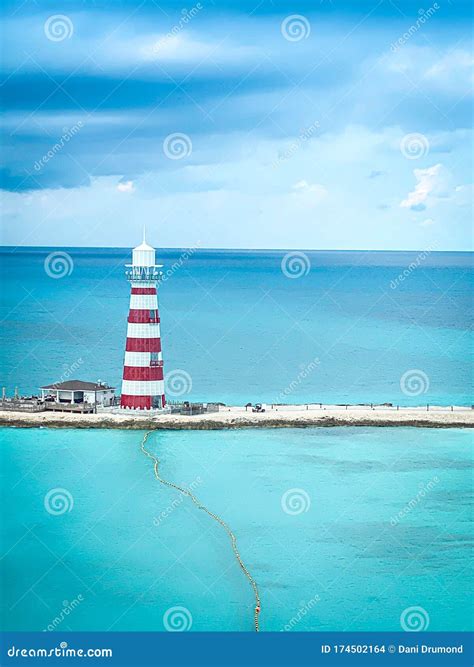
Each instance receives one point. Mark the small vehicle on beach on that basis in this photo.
(258, 408)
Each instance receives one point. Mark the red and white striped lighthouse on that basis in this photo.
(143, 384)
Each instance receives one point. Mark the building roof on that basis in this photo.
(77, 385)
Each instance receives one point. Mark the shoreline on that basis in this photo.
(238, 417)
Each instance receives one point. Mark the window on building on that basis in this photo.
(154, 361)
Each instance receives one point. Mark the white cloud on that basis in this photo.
(432, 182)
(126, 186)
(427, 223)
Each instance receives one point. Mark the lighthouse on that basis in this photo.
(142, 384)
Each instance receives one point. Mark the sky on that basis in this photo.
(234, 124)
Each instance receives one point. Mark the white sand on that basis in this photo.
(237, 417)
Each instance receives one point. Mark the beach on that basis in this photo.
(233, 417)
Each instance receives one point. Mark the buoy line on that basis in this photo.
(217, 518)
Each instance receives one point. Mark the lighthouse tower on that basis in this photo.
(143, 385)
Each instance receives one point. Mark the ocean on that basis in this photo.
(342, 528)
(331, 327)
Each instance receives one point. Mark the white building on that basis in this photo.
(77, 391)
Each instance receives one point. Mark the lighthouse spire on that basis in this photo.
(144, 234)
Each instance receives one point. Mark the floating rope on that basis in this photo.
(217, 518)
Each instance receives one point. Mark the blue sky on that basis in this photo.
(329, 125)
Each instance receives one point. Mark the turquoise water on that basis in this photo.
(246, 332)
(132, 549)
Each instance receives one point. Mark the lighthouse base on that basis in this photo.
(142, 402)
